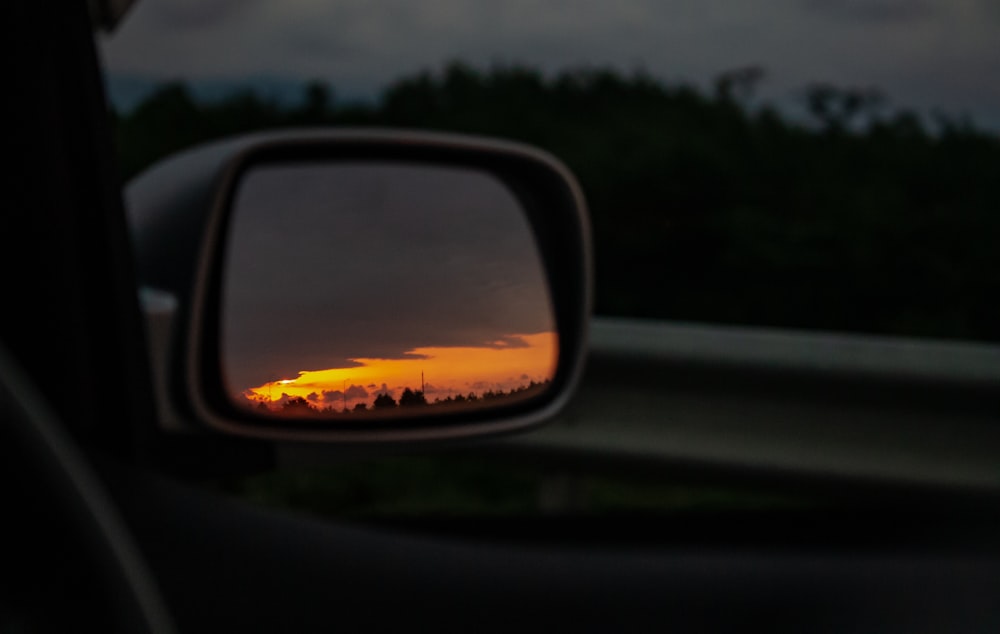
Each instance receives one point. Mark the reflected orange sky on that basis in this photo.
(447, 371)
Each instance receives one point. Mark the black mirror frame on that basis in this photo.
(555, 209)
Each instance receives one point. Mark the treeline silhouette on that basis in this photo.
(706, 204)
(384, 402)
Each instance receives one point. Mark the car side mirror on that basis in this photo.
(366, 285)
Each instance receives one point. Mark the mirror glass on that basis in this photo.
(370, 289)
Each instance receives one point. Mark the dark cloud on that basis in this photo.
(990, 9)
(281, 401)
(356, 391)
(333, 396)
(507, 341)
(313, 40)
(199, 14)
(878, 11)
(408, 355)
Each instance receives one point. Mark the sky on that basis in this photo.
(373, 277)
(439, 372)
(921, 54)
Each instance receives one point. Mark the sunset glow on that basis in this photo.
(444, 372)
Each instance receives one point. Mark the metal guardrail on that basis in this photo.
(874, 408)
(862, 356)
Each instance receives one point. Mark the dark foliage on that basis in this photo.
(704, 208)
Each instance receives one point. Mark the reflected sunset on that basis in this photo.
(511, 363)
(435, 290)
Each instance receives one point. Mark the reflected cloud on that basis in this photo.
(455, 371)
(510, 341)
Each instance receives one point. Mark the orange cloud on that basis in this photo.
(509, 362)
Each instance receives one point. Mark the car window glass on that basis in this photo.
(790, 163)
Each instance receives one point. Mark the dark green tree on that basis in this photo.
(703, 208)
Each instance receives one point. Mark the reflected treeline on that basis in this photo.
(384, 402)
(707, 205)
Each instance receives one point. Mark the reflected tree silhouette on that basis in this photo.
(297, 406)
(383, 401)
(411, 398)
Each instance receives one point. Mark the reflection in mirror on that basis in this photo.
(369, 289)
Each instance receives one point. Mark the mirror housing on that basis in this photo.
(181, 214)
